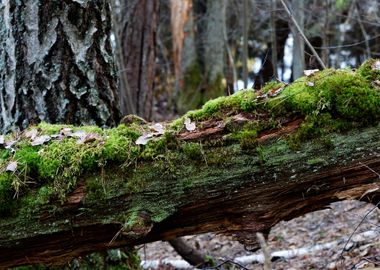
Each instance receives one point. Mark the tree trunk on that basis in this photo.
(215, 49)
(211, 49)
(298, 43)
(56, 64)
(136, 41)
(238, 166)
(188, 76)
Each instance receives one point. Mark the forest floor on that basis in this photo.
(333, 226)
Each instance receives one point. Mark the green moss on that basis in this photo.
(192, 151)
(244, 100)
(247, 139)
(316, 161)
(370, 70)
(7, 201)
(272, 85)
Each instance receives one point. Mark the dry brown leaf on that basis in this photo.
(40, 140)
(31, 134)
(78, 134)
(9, 144)
(66, 131)
(190, 126)
(12, 166)
(159, 128)
(310, 72)
(90, 137)
(144, 139)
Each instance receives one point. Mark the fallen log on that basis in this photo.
(238, 166)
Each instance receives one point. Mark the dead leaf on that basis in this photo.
(66, 131)
(376, 65)
(159, 128)
(40, 140)
(275, 92)
(9, 144)
(2, 139)
(12, 166)
(31, 134)
(190, 126)
(310, 72)
(78, 134)
(90, 137)
(144, 139)
(310, 83)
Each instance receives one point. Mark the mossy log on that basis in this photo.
(238, 166)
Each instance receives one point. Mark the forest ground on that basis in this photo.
(326, 226)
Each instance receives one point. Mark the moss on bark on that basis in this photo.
(332, 113)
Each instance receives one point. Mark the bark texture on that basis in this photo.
(56, 64)
(298, 42)
(136, 40)
(214, 42)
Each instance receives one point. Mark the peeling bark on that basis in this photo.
(56, 64)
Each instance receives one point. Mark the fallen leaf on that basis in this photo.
(90, 137)
(66, 131)
(144, 139)
(40, 140)
(310, 72)
(31, 134)
(58, 137)
(2, 139)
(310, 83)
(78, 134)
(190, 126)
(275, 92)
(159, 128)
(9, 144)
(12, 166)
(376, 65)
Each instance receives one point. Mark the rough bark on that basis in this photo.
(56, 64)
(214, 53)
(251, 160)
(187, 70)
(298, 43)
(136, 40)
(211, 47)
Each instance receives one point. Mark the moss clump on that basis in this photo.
(244, 100)
(370, 70)
(272, 85)
(7, 203)
(192, 151)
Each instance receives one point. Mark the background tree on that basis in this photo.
(135, 29)
(56, 64)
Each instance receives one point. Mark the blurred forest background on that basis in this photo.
(175, 55)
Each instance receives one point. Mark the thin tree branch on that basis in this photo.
(303, 35)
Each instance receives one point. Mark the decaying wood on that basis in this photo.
(246, 196)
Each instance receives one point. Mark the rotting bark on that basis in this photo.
(247, 166)
(56, 64)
